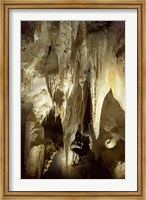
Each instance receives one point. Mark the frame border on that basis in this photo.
(5, 5)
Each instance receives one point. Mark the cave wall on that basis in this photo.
(61, 62)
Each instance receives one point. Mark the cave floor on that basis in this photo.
(87, 168)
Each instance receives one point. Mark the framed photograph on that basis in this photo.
(72, 100)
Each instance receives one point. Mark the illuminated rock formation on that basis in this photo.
(70, 69)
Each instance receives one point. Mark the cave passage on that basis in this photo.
(85, 166)
(53, 136)
(53, 131)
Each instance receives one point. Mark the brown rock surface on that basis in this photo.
(75, 71)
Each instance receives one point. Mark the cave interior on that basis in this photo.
(72, 100)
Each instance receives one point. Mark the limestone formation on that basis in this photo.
(72, 76)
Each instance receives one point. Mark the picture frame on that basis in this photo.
(5, 6)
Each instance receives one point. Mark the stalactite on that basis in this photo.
(66, 57)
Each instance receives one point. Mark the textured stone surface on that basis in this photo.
(35, 161)
(62, 64)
